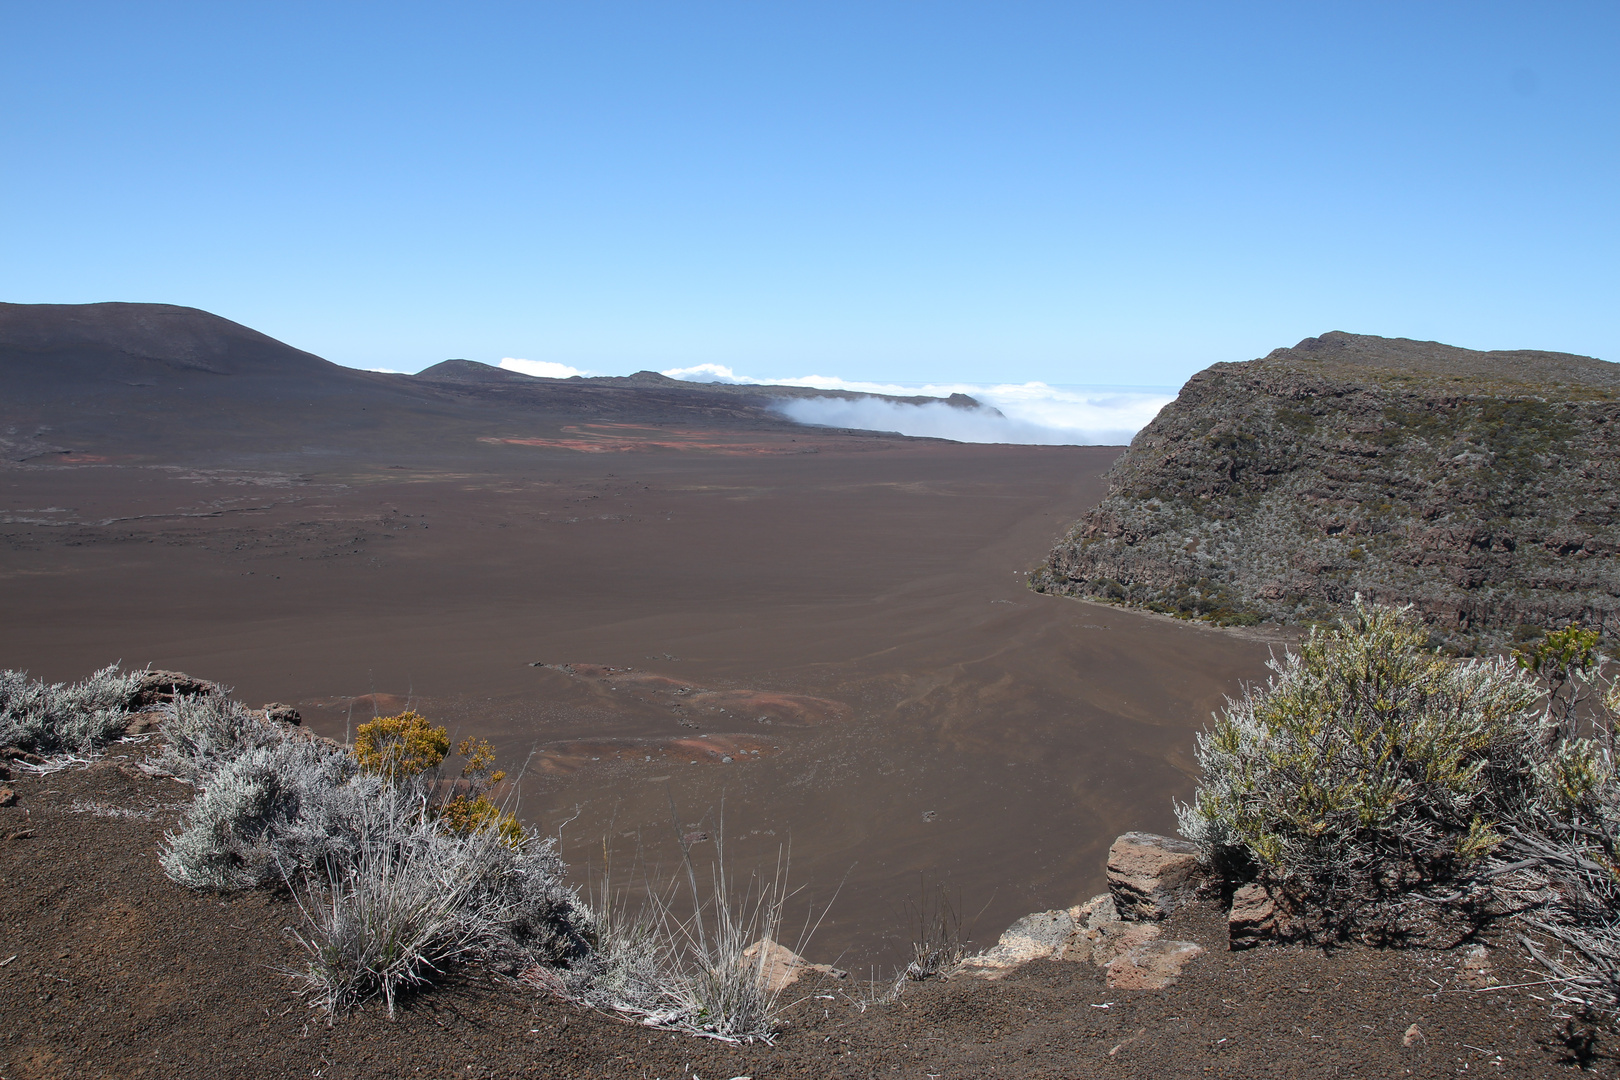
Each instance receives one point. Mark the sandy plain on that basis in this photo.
(624, 607)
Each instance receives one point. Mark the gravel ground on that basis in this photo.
(117, 972)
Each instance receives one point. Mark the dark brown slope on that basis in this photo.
(1484, 487)
(160, 383)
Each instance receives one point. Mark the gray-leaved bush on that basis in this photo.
(389, 894)
(65, 718)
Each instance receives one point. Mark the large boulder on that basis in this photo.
(1149, 876)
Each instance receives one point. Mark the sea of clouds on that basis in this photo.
(1033, 413)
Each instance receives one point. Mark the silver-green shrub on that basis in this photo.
(273, 809)
(389, 895)
(1368, 764)
(65, 718)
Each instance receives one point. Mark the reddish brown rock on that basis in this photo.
(282, 714)
(1150, 876)
(1253, 918)
(159, 687)
(781, 967)
(7, 797)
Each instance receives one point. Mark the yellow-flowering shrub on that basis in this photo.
(470, 815)
(400, 746)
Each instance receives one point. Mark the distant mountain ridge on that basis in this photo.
(162, 382)
(471, 372)
(1483, 487)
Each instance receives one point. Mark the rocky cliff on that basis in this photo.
(1483, 487)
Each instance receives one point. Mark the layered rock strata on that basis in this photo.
(1482, 487)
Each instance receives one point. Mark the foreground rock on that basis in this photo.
(782, 967)
(1135, 955)
(1482, 487)
(1149, 875)
(159, 687)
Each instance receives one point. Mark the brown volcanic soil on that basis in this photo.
(857, 616)
(114, 971)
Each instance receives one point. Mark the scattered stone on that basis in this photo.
(7, 797)
(1413, 1035)
(1476, 970)
(282, 714)
(1150, 876)
(781, 967)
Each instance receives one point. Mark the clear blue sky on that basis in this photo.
(1109, 193)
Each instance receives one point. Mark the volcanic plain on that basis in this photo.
(818, 641)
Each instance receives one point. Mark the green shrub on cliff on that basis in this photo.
(1369, 764)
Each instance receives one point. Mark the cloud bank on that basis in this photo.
(1032, 413)
(540, 369)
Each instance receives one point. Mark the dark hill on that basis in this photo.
(1484, 487)
(157, 382)
(174, 338)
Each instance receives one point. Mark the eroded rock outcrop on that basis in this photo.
(1149, 876)
(1483, 487)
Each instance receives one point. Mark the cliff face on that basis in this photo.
(1483, 487)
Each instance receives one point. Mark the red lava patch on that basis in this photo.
(717, 749)
(633, 438)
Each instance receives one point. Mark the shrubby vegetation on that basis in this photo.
(1368, 765)
(1371, 772)
(65, 718)
(393, 888)
(402, 867)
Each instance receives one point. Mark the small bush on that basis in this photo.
(395, 879)
(204, 733)
(65, 718)
(271, 810)
(400, 746)
(405, 904)
(691, 973)
(1367, 764)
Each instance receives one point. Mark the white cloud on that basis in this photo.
(543, 369)
(1031, 413)
(708, 373)
(1109, 421)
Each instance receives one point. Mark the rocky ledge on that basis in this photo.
(1149, 877)
(1482, 487)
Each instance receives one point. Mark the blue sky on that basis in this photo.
(908, 192)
